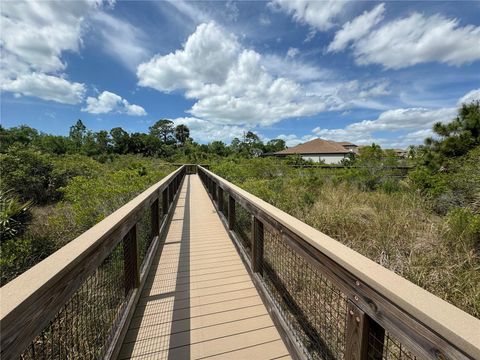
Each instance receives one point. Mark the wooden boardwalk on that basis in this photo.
(198, 300)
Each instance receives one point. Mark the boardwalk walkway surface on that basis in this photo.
(199, 301)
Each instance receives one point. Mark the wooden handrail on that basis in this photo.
(377, 297)
(30, 301)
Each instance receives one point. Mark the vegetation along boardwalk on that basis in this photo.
(195, 267)
(199, 300)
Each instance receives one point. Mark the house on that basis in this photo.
(318, 150)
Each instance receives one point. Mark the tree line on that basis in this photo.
(163, 139)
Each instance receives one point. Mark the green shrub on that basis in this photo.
(29, 173)
(20, 254)
(14, 215)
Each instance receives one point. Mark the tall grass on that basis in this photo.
(396, 228)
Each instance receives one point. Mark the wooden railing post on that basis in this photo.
(171, 193)
(257, 245)
(155, 219)
(130, 260)
(214, 191)
(165, 201)
(231, 212)
(220, 199)
(359, 327)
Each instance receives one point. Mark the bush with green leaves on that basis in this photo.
(28, 172)
(14, 215)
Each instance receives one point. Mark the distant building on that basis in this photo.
(318, 150)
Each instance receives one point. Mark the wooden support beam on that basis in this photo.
(130, 260)
(360, 327)
(231, 212)
(220, 199)
(155, 218)
(165, 201)
(257, 245)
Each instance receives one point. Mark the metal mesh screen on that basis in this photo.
(314, 309)
(144, 234)
(225, 203)
(84, 327)
(243, 227)
(387, 348)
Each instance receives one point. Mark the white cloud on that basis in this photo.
(205, 59)
(46, 87)
(264, 20)
(417, 121)
(36, 33)
(407, 125)
(294, 69)
(229, 82)
(121, 40)
(350, 94)
(473, 95)
(357, 28)
(34, 37)
(320, 15)
(108, 102)
(292, 52)
(188, 9)
(231, 11)
(292, 139)
(207, 131)
(417, 39)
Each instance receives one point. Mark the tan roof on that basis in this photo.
(316, 146)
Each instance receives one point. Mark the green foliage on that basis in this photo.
(28, 172)
(457, 185)
(258, 168)
(120, 139)
(17, 135)
(182, 133)
(163, 130)
(455, 138)
(53, 144)
(14, 215)
(391, 224)
(91, 199)
(275, 145)
(78, 133)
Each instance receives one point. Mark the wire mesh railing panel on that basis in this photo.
(144, 234)
(313, 308)
(225, 203)
(243, 227)
(84, 327)
(387, 347)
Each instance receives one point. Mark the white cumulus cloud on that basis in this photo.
(108, 102)
(473, 95)
(228, 82)
(412, 125)
(46, 87)
(418, 39)
(357, 28)
(321, 15)
(34, 36)
(208, 131)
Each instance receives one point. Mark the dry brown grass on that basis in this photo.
(396, 230)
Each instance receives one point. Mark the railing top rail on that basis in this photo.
(454, 325)
(23, 291)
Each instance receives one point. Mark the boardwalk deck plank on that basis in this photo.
(198, 300)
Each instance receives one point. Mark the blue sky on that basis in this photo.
(349, 71)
